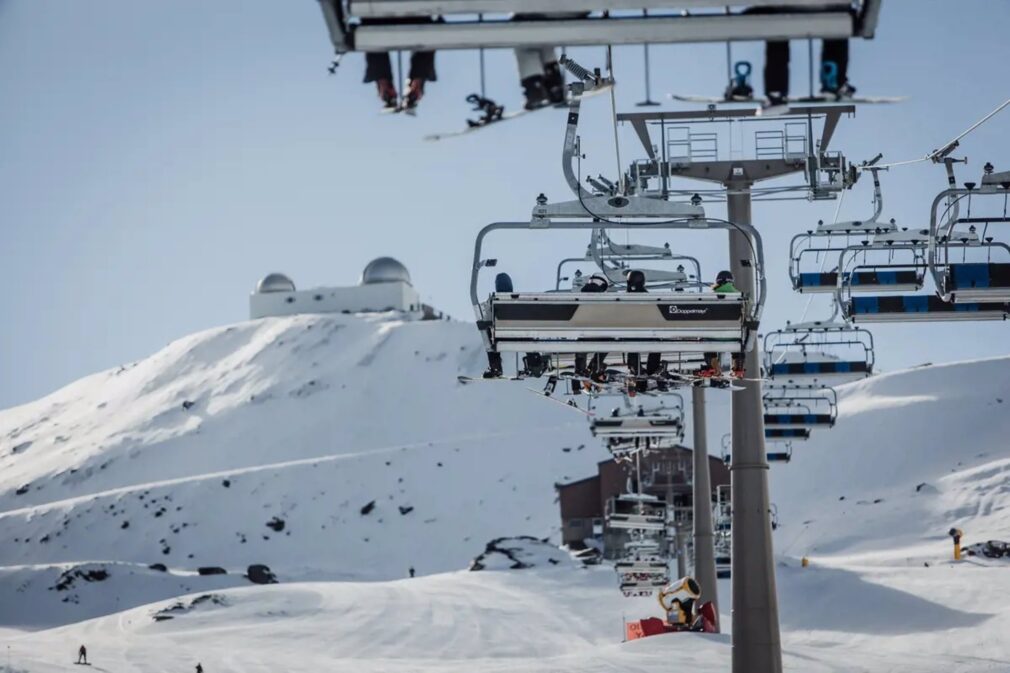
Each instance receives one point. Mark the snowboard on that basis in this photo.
(515, 114)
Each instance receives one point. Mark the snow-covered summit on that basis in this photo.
(326, 447)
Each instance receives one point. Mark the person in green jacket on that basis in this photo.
(713, 368)
(724, 283)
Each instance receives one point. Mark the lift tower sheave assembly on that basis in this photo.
(685, 153)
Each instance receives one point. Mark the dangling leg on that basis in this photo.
(494, 365)
(422, 69)
(653, 364)
(379, 69)
(777, 71)
(554, 80)
(711, 366)
(531, 76)
(598, 367)
(738, 365)
(837, 52)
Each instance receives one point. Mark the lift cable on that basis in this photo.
(938, 155)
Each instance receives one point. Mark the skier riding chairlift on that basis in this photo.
(502, 283)
(539, 73)
(834, 65)
(597, 367)
(653, 363)
(379, 69)
(724, 284)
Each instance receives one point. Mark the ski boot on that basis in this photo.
(535, 92)
(554, 83)
(415, 91)
(535, 364)
(494, 366)
(843, 92)
(387, 93)
(712, 369)
(777, 98)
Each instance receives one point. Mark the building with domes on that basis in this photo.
(384, 286)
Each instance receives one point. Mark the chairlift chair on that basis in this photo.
(893, 260)
(923, 307)
(387, 25)
(777, 435)
(824, 352)
(781, 456)
(562, 324)
(636, 512)
(809, 406)
(969, 255)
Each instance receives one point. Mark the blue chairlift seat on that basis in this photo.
(902, 308)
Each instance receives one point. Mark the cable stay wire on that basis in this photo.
(949, 147)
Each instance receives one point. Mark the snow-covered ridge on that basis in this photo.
(913, 453)
(343, 448)
(326, 447)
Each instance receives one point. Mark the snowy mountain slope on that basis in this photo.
(297, 426)
(559, 620)
(913, 453)
(325, 447)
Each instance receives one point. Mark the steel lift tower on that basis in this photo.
(684, 152)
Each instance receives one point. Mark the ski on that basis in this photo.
(570, 404)
(764, 104)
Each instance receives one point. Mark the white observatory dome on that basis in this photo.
(275, 282)
(385, 270)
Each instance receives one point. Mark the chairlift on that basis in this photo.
(890, 259)
(969, 255)
(664, 421)
(800, 407)
(920, 307)
(786, 435)
(636, 512)
(563, 324)
(823, 352)
(781, 456)
(387, 25)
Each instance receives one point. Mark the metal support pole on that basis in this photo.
(701, 499)
(681, 550)
(757, 647)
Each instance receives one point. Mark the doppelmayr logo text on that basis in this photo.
(676, 310)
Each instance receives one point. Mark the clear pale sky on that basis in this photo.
(156, 159)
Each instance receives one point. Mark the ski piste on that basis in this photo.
(506, 116)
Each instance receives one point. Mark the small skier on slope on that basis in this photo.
(82, 655)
